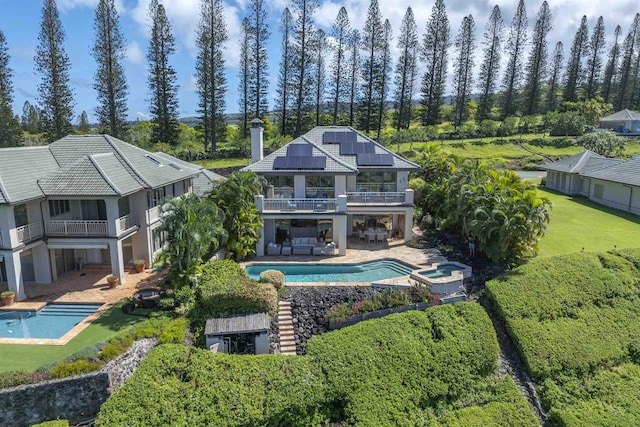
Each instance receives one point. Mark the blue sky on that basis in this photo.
(20, 23)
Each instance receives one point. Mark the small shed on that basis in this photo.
(623, 121)
(244, 334)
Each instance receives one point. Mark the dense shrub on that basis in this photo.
(575, 318)
(111, 351)
(174, 332)
(407, 369)
(67, 369)
(55, 423)
(15, 378)
(273, 277)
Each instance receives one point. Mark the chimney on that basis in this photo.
(257, 140)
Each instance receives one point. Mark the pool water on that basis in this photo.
(364, 272)
(443, 270)
(51, 321)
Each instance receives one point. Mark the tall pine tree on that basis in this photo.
(463, 66)
(10, 131)
(210, 76)
(434, 54)
(608, 80)
(354, 67)
(492, 39)
(406, 69)
(382, 83)
(162, 80)
(246, 97)
(340, 31)
(259, 82)
(109, 81)
(52, 63)
(513, 73)
(554, 79)
(594, 61)
(320, 48)
(575, 68)
(285, 74)
(303, 58)
(537, 63)
(372, 45)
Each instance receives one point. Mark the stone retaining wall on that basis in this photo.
(75, 398)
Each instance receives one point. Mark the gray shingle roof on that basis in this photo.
(234, 324)
(20, 169)
(622, 115)
(577, 163)
(623, 172)
(336, 163)
(97, 165)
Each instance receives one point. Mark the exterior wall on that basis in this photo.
(340, 184)
(402, 180)
(7, 223)
(351, 183)
(635, 201)
(615, 195)
(299, 187)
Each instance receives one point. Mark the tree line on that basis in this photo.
(345, 76)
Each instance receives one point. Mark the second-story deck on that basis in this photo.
(89, 228)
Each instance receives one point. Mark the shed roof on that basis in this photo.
(587, 160)
(237, 324)
(621, 116)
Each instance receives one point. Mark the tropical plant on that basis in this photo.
(194, 229)
(603, 142)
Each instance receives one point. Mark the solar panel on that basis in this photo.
(299, 150)
(339, 137)
(357, 147)
(351, 137)
(369, 159)
(299, 163)
(330, 138)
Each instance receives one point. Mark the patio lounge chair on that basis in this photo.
(329, 249)
(361, 235)
(381, 237)
(291, 205)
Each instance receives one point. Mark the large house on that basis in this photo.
(610, 182)
(90, 199)
(329, 184)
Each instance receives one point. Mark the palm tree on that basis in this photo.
(194, 231)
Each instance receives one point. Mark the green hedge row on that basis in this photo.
(406, 369)
(574, 318)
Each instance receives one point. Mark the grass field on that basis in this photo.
(222, 163)
(16, 357)
(578, 223)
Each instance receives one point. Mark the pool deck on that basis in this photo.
(359, 251)
(89, 286)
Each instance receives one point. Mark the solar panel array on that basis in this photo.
(300, 163)
(299, 150)
(368, 159)
(339, 137)
(351, 148)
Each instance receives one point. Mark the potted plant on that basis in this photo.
(113, 281)
(139, 265)
(8, 297)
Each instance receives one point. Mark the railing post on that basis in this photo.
(342, 203)
(408, 196)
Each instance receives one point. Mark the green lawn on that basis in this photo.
(17, 357)
(577, 223)
(222, 163)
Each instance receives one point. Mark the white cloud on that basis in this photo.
(72, 4)
(143, 116)
(134, 54)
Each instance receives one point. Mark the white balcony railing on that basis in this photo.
(29, 232)
(153, 214)
(76, 228)
(380, 199)
(376, 187)
(128, 221)
(323, 192)
(298, 205)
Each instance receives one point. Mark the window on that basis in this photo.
(598, 191)
(20, 215)
(377, 182)
(282, 187)
(320, 187)
(159, 239)
(155, 197)
(58, 207)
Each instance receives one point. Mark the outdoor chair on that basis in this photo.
(381, 237)
(372, 237)
(292, 206)
(361, 235)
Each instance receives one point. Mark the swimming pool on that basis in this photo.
(52, 321)
(363, 272)
(442, 270)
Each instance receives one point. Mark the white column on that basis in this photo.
(341, 223)
(408, 197)
(117, 263)
(14, 274)
(54, 268)
(42, 264)
(259, 202)
(341, 184)
(260, 244)
(342, 203)
(8, 227)
(299, 187)
(408, 225)
(113, 213)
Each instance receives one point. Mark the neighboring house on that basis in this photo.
(610, 182)
(331, 183)
(89, 199)
(624, 121)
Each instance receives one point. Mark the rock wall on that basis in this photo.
(310, 304)
(75, 398)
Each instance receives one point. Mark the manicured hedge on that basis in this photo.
(574, 319)
(405, 369)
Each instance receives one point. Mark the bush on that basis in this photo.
(174, 332)
(111, 351)
(16, 378)
(273, 277)
(55, 423)
(64, 369)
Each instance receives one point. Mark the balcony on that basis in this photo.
(76, 228)
(153, 214)
(29, 232)
(379, 199)
(300, 205)
(127, 222)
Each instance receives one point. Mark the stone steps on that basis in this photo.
(285, 326)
